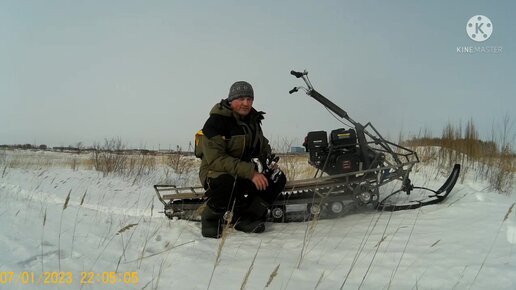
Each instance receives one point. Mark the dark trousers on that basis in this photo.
(225, 190)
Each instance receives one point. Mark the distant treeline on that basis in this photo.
(72, 149)
(466, 140)
(471, 147)
(24, 146)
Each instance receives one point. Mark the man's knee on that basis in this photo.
(224, 180)
(278, 186)
(225, 191)
(219, 191)
(280, 183)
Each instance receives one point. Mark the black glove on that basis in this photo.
(268, 167)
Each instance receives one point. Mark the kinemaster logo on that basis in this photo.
(479, 29)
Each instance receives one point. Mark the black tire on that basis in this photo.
(278, 214)
(335, 208)
(313, 210)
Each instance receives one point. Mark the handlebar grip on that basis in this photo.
(296, 74)
(293, 90)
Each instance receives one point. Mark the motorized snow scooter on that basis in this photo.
(352, 165)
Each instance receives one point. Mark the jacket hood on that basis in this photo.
(224, 109)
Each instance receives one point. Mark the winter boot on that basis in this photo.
(253, 218)
(248, 225)
(212, 223)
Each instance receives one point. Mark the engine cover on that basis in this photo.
(337, 157)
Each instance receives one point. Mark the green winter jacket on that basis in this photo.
(229, 143)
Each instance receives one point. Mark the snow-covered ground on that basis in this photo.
(113, 224)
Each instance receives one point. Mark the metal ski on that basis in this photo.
(391, 203)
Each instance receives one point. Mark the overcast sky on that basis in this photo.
(150, 71)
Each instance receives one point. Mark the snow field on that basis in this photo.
(467, 242)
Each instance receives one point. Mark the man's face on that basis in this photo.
(242, 105)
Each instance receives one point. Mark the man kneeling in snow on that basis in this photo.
(238, 170)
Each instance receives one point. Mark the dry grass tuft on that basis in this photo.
(509, 212)
(246, 277)
(42, 238)
(273, 274)
(200, 209)
(493, 160)
(76, 217)
(226, 232)
(309, 232)
(45, 218)
(127, 227)
(65, 205)
(82, 198)
(67, 200)
(295, 166)
(319, 281)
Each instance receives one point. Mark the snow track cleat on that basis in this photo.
(352, 165)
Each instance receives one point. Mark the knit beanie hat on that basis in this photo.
(240, 89)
